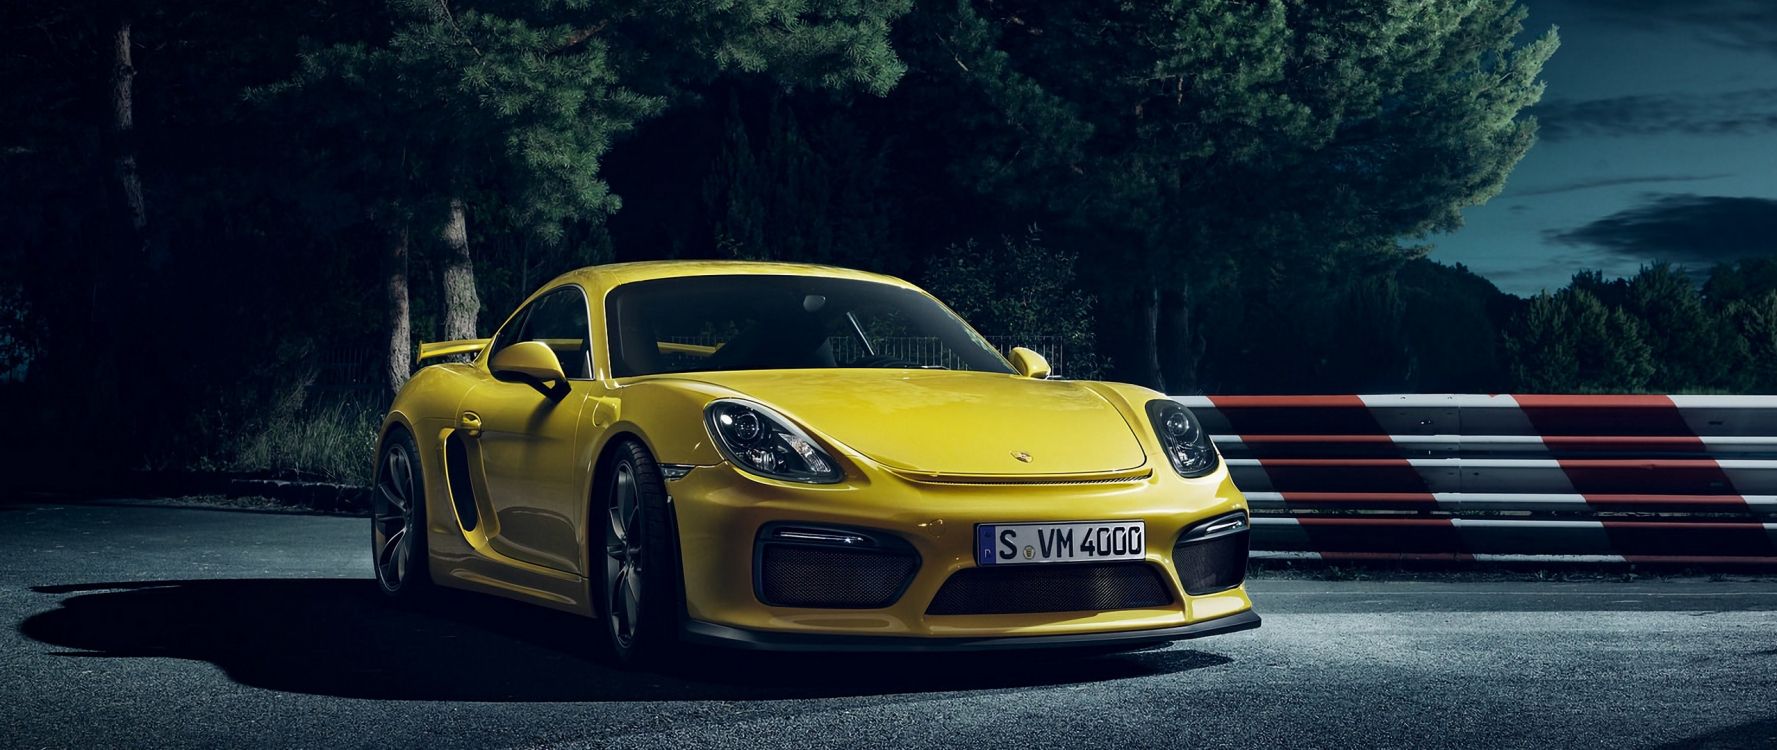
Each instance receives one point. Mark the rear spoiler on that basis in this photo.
(447, 348)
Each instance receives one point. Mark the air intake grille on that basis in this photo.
(1050, 588)
(810, 576)
(1210, 565)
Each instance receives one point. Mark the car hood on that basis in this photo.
(940, 422)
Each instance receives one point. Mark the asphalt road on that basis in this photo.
(148, 626)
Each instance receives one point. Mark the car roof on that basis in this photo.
(607, 276)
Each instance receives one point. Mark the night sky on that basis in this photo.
(1658, 142)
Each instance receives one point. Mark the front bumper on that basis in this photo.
(718, 511)
(711, 634)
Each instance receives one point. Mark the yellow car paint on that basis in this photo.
(925, 455)
(447, 348)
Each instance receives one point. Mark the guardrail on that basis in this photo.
(1670, 479)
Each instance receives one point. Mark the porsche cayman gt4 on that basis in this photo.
(787, 456)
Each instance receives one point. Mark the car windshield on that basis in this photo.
(759, 322)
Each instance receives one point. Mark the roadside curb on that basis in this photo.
(295, 494)
(329, 497)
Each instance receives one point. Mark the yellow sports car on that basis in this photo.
(782, 456)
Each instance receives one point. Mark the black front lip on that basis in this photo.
(707, 633)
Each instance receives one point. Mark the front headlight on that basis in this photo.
(1186, 443)
(766, 443)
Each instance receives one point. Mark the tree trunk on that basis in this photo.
(123, 131)
(1178, 342)
(1144, 359)
(461, 303)
(400, 364)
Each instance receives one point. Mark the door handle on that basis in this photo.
(470, 423)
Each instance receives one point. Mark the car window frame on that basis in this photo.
(520, 322)
(610, 298)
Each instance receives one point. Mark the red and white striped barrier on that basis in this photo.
(1636, 478)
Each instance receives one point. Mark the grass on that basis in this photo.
(332, 443)
(296, 433)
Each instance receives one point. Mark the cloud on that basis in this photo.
(1611, 182)
(1683, 228)
(1735, 24)
(1745, 112)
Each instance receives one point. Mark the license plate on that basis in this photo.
(1074, 541)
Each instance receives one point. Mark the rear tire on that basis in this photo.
(398, 519)
(639, 592)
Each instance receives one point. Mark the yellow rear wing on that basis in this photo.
(695, 350)
(446, 348)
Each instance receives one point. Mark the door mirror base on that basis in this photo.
(532, 363)
(1029, 363)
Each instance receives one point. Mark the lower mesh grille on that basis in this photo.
(1213, 564)
(808, 576)
(1050, 588)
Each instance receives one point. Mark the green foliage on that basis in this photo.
(1543, 360)
(1653, 332)
(524, 98)
(1756, 322)
(1174, 142)
(1571, 342)
(297, 436)
(804, 194)
(1272, 165)
(1413, 326)
(1693, 346)
(1200, 129)
(1019, 287)
(1743, 280)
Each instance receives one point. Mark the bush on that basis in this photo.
(334, 443)
(296, 435)
(1020, 289)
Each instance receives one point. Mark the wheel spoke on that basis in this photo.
(617, 534)
(405, 477)
(391, 472)
(392, 517)
(624, 536)
(628, 507)
(401, 556)
(632, 590)
(395, 541)
(632, 599)
(394, 500)
(620, 615)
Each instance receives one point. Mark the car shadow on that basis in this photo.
(341, 637)
(1758, 734)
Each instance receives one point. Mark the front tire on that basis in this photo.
(398, 519)
(639, 604)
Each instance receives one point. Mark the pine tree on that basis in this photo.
(1172, 138)
(523, 98)
(1541, 348)
(798, 192)
(1693, 347)
(1756, 322)
(1024, 289)
(1572, 342)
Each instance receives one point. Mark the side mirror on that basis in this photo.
(532, 362)
(1029, 363)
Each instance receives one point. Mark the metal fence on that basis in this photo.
(1684, 479)
(351, 370)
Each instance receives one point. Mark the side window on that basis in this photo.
(559, 320)
(510, 334)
